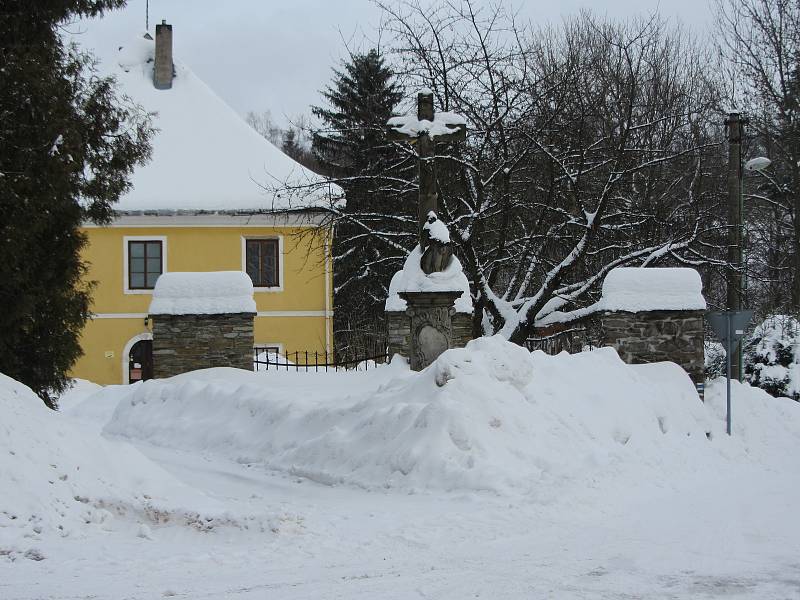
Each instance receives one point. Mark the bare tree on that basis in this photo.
(264, 124)
(591, 146)
(760, 41)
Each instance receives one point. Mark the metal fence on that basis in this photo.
(574, 339)
(267, 359)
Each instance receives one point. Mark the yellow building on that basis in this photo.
(213, 198)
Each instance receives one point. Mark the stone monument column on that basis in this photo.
(431, 325)
(427, 330)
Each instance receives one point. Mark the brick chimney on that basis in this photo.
(163, 69)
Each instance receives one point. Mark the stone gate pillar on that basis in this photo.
(202, 320)
(430, 325)
(655, 314)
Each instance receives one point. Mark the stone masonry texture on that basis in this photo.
(184, 343)
(399, 326)
(655, 336)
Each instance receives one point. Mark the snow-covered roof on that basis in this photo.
(211, 293)
(635, 289)
(205, 157)
(411, 278)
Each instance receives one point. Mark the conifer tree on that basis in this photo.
(290, 146)
(67, 147)
(353, 150)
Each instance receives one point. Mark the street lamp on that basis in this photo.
(755, 166)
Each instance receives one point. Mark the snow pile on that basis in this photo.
(635, 289)
(78, 391)
(211, 293)
(411, 278)
(60, 478)
(205, 157)
(490, 416)
(767, 428)
(771, 356)
(444, 123)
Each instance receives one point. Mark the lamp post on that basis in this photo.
(734, 125)
(754, 166)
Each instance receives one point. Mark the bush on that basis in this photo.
(771, 356)
(714, 360)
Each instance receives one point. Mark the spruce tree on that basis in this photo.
(353, 150)
(67, 148)
(290, 146)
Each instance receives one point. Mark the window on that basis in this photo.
(261, 262)
(145, 263)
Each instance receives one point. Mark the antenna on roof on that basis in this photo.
(147, 35)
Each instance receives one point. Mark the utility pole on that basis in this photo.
(734, 125)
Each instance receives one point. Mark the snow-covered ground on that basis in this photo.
(493, 474)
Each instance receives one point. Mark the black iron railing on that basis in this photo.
(266, 359)
(571, 339)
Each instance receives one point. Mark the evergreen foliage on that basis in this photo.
(353, 150)
(770, 356)
(67, 146)
(290, 146)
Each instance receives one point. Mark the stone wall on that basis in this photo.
(462, 329)
(655, 336)
(399, 326)
(184, 343)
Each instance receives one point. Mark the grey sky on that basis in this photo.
(276, 55)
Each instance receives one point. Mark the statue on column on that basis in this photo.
(432, 280)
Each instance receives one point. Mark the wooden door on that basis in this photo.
(140, 362)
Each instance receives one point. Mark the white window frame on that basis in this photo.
(279, 287)
(141, 238)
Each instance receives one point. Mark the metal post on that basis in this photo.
(728, 364)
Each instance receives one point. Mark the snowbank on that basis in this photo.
(635, 289)
(767, 428)
(490, 416)
(59, 478)
(411, 278)
(215, 292)
(78, 391)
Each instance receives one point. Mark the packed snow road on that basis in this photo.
(622, 500)
(723, 539)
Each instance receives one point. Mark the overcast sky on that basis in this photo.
(276, 54)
